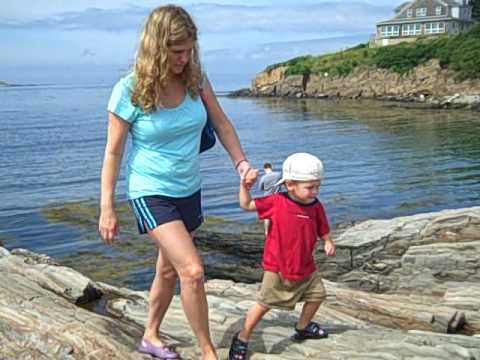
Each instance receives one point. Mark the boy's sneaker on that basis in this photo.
(312, 331)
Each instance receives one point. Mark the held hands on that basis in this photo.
(248, 175)
(108, 225)
(329, 247)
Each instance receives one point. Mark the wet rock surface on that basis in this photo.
(230, 250)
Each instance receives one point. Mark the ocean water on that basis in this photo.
(380, 161)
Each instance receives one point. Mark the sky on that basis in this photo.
(235, 36)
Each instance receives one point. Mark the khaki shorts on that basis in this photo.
(278, 293)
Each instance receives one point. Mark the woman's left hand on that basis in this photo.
(247, 174)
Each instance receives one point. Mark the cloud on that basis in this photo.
(345, 17)
(89, 19)
(87, 53)
(326, 16)
(265, 54)
(251, 36)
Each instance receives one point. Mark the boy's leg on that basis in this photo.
(313, 297)
(239, 346)
(306, 328)
(308, 312)
(254, 315)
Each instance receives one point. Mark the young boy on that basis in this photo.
(298, 220)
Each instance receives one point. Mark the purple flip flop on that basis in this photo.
(161, 352)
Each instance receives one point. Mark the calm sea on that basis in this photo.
(380, 162)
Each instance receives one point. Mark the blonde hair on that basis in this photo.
(166, 26)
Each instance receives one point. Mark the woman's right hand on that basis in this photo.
(108, 225)
(117, 133)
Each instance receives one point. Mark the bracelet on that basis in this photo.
(239, 162)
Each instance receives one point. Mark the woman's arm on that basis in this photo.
(226, 133)
(116, 137)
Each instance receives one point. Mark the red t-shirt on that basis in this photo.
(294, 231)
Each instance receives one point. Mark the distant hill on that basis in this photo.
(3, 83)
(460, 53)
(441, 72)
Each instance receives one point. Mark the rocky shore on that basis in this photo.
(427, 86)
(403, 288)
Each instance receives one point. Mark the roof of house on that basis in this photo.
(400, 7)
(404, 7)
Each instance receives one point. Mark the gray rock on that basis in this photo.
(426, 265)
(45, 272)
(416, 253)
(427, 86)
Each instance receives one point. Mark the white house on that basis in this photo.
(424, 18)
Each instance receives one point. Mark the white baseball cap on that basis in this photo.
(302, 167)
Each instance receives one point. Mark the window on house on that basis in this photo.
(409, 13)
(438, 10)
(411, 29)
(421, 12)
(469, 13)
(435, 28)
(390, 30)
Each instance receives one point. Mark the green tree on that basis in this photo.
(476, 9)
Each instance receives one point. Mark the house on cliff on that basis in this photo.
(424, 18)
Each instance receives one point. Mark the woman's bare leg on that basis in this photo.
(161, 294)
(177, 245)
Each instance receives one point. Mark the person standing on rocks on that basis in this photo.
(268, 184)
(298, 222)
(163, 104)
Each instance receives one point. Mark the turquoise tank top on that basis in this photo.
(164, 157)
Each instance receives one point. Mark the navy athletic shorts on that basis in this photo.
(155, 210)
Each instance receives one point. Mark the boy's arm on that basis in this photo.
(329, 245)
(246, 201)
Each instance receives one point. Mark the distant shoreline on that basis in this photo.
(10, 85)
(456, 101)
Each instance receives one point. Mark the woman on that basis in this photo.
(164, 103)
